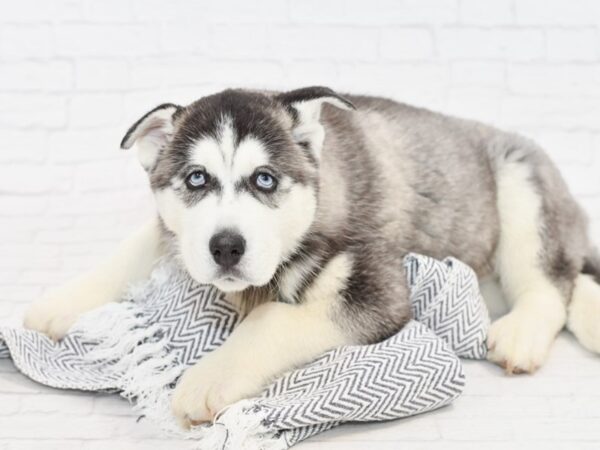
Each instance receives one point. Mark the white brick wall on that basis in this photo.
(74, 74)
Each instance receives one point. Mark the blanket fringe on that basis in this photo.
(134, 348)
(131, 346)
(242, 426)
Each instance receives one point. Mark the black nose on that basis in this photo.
(227, 248)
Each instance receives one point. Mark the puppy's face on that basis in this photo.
(235, 180)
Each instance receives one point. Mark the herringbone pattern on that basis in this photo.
(193, 319)
(410, 373)
(446, 298)
(415, 371)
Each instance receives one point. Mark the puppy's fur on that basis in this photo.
(323, 195)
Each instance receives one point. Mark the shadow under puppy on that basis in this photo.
(301, 205)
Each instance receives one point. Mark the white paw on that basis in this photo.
(520, 341)
(49, 316)
(59, 308)
(208, 387)
(584, 313)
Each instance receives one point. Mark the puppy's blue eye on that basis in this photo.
(196, 179)
(265, 181)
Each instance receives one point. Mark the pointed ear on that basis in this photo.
(305, 107)
(151, 133)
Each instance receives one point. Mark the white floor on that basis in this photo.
(558, 408)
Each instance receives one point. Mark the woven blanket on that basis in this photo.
(141, 346)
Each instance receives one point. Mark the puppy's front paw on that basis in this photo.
(520, 342)
(50, 316)
(208, 387)
(59, 308)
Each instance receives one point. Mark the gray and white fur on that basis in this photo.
(301, 206)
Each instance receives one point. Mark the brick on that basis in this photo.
(25, 179)
(95, 110)
(26, 11)
(23, 146)
(30, 76)
(98, 75)
(13, 205)
(407, 43)
(582, 180)
(387, 12)
(6, 311)
(558, 12)
(256, 74)
(91, 40)
(573, 44)
(67, 10)
(32, 110)
(477, 103)
(310, 73)
(25, 41)
(332, 11)
(486, 12)
(477, 43)
(397, 81)
(551, 112)
(242, 41)
(79, 234)
(184, 37)
(107, 11)
(568, 147)
(150, 10)
(94, 176)
(100, 202)
(554, 79)
(73, 146)
(478, 73)
(265, 11)
(8, 276)
(150, 73)
(401, 12)
(336, 43)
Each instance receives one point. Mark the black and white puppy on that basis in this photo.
(301, 205)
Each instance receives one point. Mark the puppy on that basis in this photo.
(301, 205)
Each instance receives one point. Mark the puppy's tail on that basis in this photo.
(584, 310)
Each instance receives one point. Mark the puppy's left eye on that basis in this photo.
(265, 181)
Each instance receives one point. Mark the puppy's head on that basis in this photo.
(235, 178)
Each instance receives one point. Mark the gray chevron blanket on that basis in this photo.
(141, 346)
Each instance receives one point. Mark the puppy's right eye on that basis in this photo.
(197, 179)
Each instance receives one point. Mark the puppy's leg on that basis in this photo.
(273, 338)
(520, 340)
(584, 312)
(58, 309)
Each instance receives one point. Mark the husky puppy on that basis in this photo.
(301, 205)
